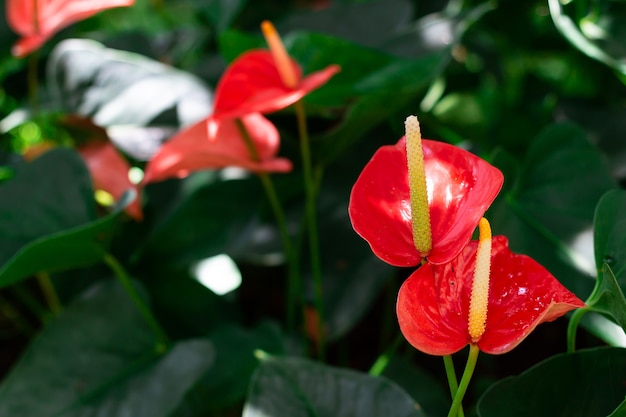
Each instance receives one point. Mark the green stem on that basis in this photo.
(572, 327)
(465, 380)
(33, 82)
(383, 360)
(293, 281)
(311, 215)
(126, 282)
(452, 382)
(13, 314)
(49, 293)
(32, 303)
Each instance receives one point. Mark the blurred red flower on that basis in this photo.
(109, 172)
(253, 83)
(461, 186)
(38, 20)
(190, 151)
(433, 303)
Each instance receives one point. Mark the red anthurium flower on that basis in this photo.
(109, 171)
(434, 302)
(38, 20)
(460, 185)
(263, 81)
(190, 150)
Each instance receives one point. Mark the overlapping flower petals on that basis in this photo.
(461, 186)
(433, 303)
(37, 24)
(190, 151)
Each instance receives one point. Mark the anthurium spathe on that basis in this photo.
(38, 20)
(263, 81)
(460, 187)
(190, 151)
(109, 172)
(433, 305)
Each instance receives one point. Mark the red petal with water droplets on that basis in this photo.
(461, 186)
(190, 150)
(433, 303)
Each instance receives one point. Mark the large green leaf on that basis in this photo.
(584, 383)
(203, 218)
(298, 387)
(548, 213)
(48, 220)
(225, 385)
(608, 298)
(610, 234)
(125, 92)
(99, 357)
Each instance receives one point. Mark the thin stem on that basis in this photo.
(14, 315)
(572, 327)
(32, 303)
(452, 382)
(293, 281)
(49, 293)
(465, 380)
(383, 360)
(311, 216)
(126, 282)
(33, 82)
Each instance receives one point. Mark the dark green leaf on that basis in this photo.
(608, 298)
(48, 220)
(298, 387)
(584, 383)
(548, 214)
(226, 383)
(98, 357)
(610, 234)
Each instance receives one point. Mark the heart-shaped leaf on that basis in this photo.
(99, 357)
(48, 219)
(584, 383)
(297, 387)
(608, 298)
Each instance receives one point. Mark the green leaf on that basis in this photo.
(202, 221)
(226, 383)
(98, 357)
(608, 298)
(620, 411)
(610, 233)
(125, 92)
(48, 220)
(584, 383)
(548, 213)
(298, 387)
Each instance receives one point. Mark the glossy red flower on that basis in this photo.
(38, 20)
(461, 186)
(109, 172)
(255, 82)
(434, 302)
(190, 151)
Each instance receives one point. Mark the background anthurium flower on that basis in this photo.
(190, 151)
(252, 83)
(461, 186)
(433, 303)
(38, 20)
(109, 171)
